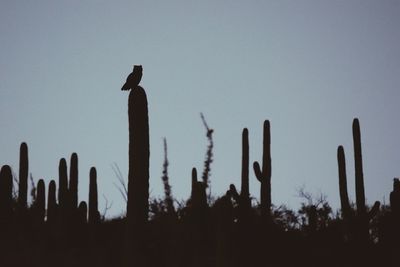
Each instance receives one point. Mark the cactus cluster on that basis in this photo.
(227, 232)
(64, 211)
(358, 221)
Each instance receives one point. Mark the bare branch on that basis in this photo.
(106, 207)
(122, 188)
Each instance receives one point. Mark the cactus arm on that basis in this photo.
(257, 171)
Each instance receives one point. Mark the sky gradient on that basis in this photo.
(309, 67)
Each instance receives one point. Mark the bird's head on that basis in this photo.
(138, 68)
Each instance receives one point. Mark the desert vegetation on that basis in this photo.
(204, 230)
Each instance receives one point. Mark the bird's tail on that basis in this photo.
(125, 87)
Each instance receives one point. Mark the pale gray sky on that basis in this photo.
(309, 67)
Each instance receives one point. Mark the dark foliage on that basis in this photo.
(229, 231)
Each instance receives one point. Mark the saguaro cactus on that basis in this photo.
(73, 181)
(264, 175)
(94, 216)
(82, 212)
(6, 186)
(344, 197)
(138, 176)
(23, 177)
(244, 192)
(395, 198)
(244, 198)
(139, 153)
(51, 202)
(62, 184)
(358, 222)
(40, 202)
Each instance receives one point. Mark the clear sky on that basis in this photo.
(309, 67)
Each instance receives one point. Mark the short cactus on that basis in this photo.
(6, 187)
(395, 198)
(82, 212)
(40, 202)
(199, 197)
(94, 216)
(51, 202)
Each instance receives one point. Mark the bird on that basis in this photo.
(134, 78)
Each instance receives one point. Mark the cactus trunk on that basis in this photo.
(40, 204)
(82, 212)
(62, 184)
(139, 153)
(138, 176)
(264, 175)
(23, 177)
(344, 197)
(93, 209)
(51, 202)
(244, 192)
(73, 182)
(6, 187)
(360, 194)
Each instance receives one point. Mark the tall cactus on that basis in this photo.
(245, 193)
(23, 177)
(358, 222)
(264, 174)
(138, 175)
(6, 187)
(73, 181)
(94, 216)
(139, 153)
(51, 202)
(358, 166)
(244, 198)
(62, 184)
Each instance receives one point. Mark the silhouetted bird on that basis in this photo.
(134, 78)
